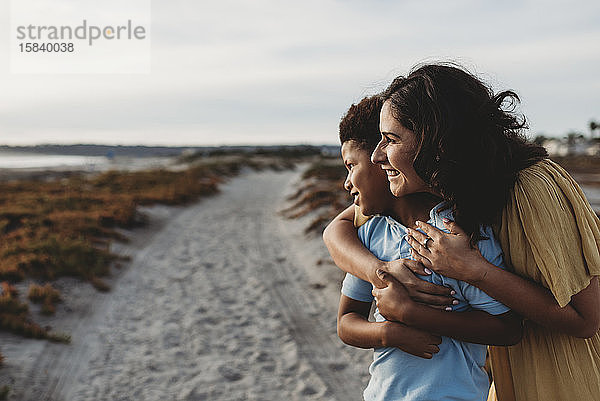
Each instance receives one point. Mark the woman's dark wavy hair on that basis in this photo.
(470, 142)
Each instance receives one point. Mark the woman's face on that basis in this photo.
(395, 154)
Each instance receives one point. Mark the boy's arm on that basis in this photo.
(350, 255)
(472, 326)
(355, 329)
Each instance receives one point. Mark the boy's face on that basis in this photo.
(366, 182)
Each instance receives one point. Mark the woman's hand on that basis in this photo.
(411, 340)
(449, 254)
(393, 300)
(420, 291)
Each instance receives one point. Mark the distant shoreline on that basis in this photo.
(156, 151)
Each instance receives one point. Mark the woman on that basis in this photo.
(470, 151)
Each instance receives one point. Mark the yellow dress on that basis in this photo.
(550, 234)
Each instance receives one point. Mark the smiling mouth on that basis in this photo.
(391, 172)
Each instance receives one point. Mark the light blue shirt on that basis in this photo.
(457, 371)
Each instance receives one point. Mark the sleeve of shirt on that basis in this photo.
(357, 289)
(354, 287)
(490, 249)
(550, 232)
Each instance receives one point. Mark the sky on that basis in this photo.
(283, 72)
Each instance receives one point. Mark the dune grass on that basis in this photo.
(64, 227)
(14, 317)
(46, 295)
(582, 164)
(321, 194)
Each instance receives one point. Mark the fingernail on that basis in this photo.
(448, 308)
(445, 220)
(455, 302)
(452, 292)
(379, 272)
(427, 271)
(418, 222)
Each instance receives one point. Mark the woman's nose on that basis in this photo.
(378, 155)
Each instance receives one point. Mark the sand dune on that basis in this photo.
(223, 300)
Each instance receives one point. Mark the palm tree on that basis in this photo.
(593, 127)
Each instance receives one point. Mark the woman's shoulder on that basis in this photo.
(546, 183)
(550, 232)
(545, 172)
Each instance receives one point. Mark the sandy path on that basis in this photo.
(219, 304)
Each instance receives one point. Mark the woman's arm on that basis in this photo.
(472, 326)
(450, 254)
(355, 329)
(350, 255)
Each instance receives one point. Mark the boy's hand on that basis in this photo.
(393, 300)
(411, 340)
(421, 291)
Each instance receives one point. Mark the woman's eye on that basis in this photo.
(386, 140)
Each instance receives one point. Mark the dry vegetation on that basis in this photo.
(585, 169)
(14, 317)
(45, 295)
(322, 192)
(579, 164)
(64, 226)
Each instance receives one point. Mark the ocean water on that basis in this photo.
(14, 160)
(25, 161)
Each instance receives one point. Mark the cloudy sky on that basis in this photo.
(273, 71)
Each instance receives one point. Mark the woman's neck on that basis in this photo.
(410, 208)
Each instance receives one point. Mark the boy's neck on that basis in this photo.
(410, 208)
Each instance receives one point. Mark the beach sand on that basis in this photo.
(222, 300)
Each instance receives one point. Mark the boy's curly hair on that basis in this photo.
(361, 123)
